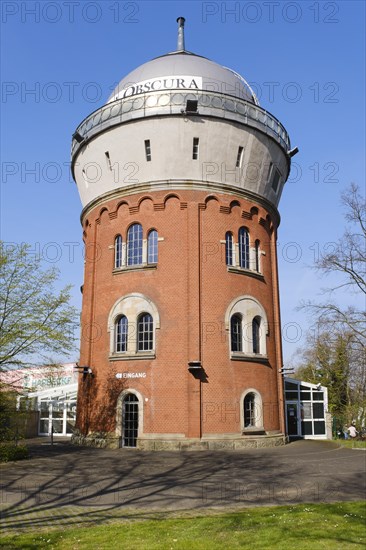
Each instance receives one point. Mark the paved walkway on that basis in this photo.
(64, 484)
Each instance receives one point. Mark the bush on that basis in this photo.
(10, 452)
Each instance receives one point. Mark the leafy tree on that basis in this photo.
(36, 321)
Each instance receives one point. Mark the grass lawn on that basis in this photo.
(350, 444)
(304, 526)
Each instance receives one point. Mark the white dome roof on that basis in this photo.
(186, 71)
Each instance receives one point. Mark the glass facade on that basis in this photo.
(306, 406)
(57, 415)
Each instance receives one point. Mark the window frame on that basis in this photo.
(132, 306)
(134, 253)
(248, 308)
(152, 247)
(236, 333)
(229, 248)
(144, 332)
(121, 334)
(118, 251)
(244, 248)
(239, 157)
(148, 150)
(256, 414)
(256, 328)
(195, 149)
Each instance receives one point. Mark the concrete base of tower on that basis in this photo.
(100, 440)
(217, 443)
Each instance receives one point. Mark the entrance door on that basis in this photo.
(292, 419)
(130, 419)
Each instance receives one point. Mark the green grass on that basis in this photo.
(351, 444)
(304, 527)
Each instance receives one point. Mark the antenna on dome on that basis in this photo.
(180, 44)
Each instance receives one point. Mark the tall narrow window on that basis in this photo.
(145, 336)
(239, 157)
(152, 247)
(118, 251)
(229, 248)
(256, 327)
(244, 248)
(236, 333)
(195, 148)
(108, 159)
(134, 245)
(249, 410)
(121, 334)
(147, 150)
(275, 178)
(257, 252)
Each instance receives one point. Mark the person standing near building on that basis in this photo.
(352, 431)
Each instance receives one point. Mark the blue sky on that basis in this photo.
(306, 61)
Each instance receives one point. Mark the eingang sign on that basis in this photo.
(131, 375)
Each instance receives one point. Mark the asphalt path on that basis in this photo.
(83, 480)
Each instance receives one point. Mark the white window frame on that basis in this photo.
(249, 308)
(132, 306)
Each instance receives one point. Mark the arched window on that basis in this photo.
(256, 327)
(121, 334)
(257, 252)
(145, 332)
(248, 312)
(134, 245)
(249, 411)
(152, 247)
(244, 248)
(229, 248)
(132, 322)
(118, 251)
(236, 333)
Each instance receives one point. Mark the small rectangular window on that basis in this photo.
(108, 159)
(85, 178)
(275, 178)
(195, 148)
(147, 150)
(239, 157)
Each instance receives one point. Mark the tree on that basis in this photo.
(36, 321)
(347, 259)
(335, 356)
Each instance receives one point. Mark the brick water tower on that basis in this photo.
(180, 174)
